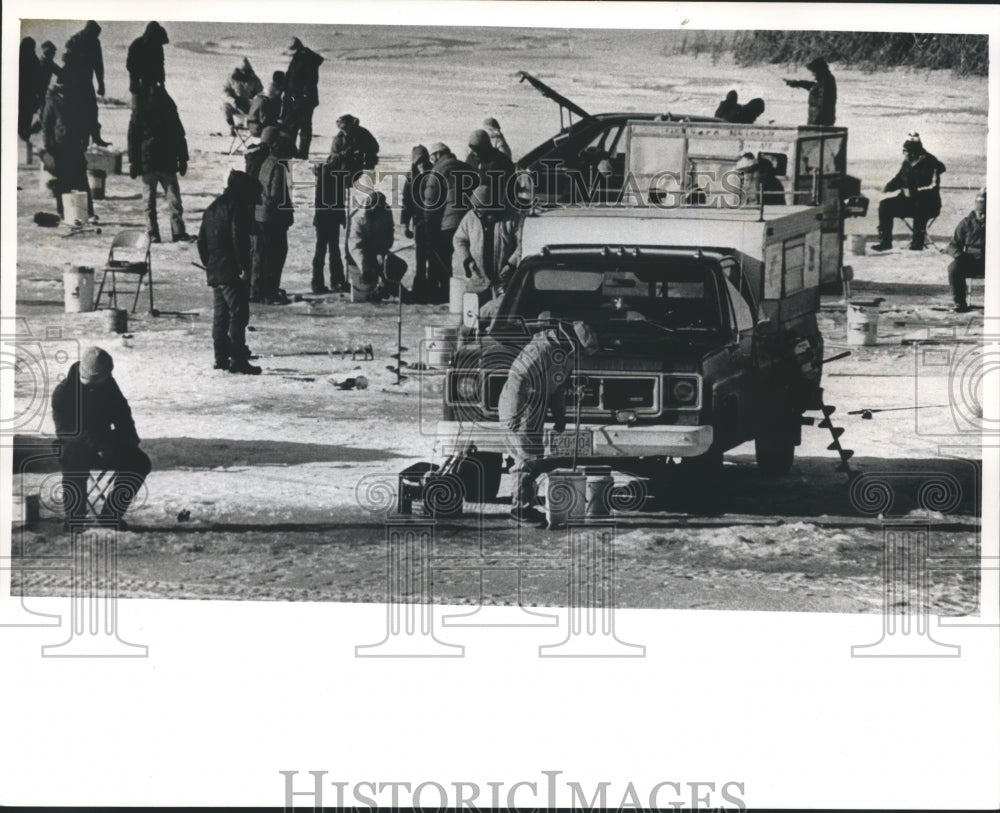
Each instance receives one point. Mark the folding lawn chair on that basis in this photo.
(129, 254)
(241, 134)
(928, 240)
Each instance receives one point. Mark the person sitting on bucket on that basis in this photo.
(968, 247)
(95, 430)
(536, 385)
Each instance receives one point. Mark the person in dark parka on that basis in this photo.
(446, 191)
(919, 185)
(414, 214)
(822, 93)
(302, 79)
(355, 145)
(968, 247)
(29, 69)
(267, 108)
(157, 153)
(65, 133)
(331, 213)
(224, 248)
(495, 169)
(47, 69)
(95, 430)
(727, 107)
(83, 61)
(144, 62)
(274, 215)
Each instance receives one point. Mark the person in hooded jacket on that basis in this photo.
(83, 61)
(65, 133)
(158, 153)
(144, 63)
(495, 169)
(238, 93)
(822, 93)
(27, 87)
(414, 214)
(487, 243)
(370, 235)
(224, 248)
(274, 216)
(302, 77)
(95, 430)
(496, 136)
(968, 247)
(267, 108)
(330, 206)
(355, 146)
(446, 189)
(919, 184)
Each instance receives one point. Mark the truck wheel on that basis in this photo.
(775, 452)
(480, 475)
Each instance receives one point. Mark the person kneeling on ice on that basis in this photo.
(95, 430)
(919, 184)
(224, 248)
(537, 384)
(968, 247)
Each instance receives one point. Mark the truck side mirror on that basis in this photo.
(470, 310)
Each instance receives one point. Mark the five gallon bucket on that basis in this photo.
(576, 496)
(862, 325)
(78, 283)
(96, 178)
(439, 345)
(75, 207)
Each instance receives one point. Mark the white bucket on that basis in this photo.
(78, 284)
(862, 325)
(439, 345)
(858, 242)
(75, 206)
(565, 493)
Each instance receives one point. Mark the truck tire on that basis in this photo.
(775, 450)
(480, 475)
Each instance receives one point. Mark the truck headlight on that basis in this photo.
(684, 391)
(467, 388)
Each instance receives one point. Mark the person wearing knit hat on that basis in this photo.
(414, 215)
(968, 247)
(822, 93)
(302, 82)
(918, 183)
(493, 128)
(95, 431)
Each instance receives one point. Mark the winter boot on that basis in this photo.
(917, 243)
(244, 367)
(884, 242)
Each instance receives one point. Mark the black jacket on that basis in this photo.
(226, 226)
(330, 201)
(145, 58)
(358, 149)
(98, 417)
(969, 237)
(156, 141)
(302, 78)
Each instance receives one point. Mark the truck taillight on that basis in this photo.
(683, 391)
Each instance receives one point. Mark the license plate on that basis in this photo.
(561, 445)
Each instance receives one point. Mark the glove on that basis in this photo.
(100, 88)
(182, 167)
(408, 232)
(133, 171)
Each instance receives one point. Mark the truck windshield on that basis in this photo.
(663, 296)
